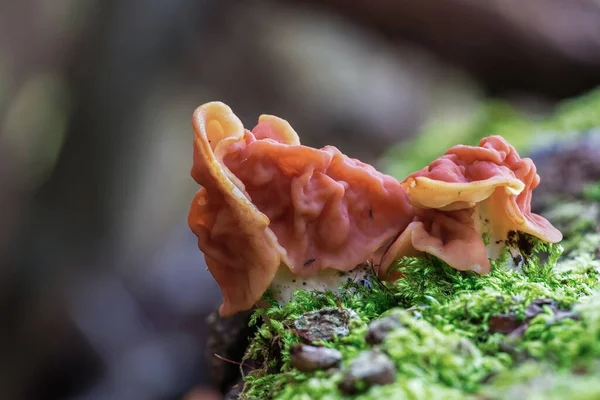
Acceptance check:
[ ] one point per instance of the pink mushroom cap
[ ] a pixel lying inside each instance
(465, 193)
(266, 201)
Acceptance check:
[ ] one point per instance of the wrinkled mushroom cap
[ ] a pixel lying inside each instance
(467, 175)
(241, 252)
(447, 235)
(468, 192)
(268, 201)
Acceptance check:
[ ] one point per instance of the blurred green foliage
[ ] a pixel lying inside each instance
(35, 126)
(493, 117)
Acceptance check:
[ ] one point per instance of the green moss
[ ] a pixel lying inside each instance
(576, 219)
(368, 301)
(445, 348)
(463, 303)
(592, 192)
(422, 351)
(535, 381)
(322, 387)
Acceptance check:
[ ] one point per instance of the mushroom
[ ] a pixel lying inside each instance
(268, 203)
(466, 204)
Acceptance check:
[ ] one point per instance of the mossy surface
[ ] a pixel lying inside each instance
(448, 346)
(445, 348)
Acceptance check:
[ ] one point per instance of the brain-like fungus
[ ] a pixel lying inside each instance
(267, 202)
(466, 204)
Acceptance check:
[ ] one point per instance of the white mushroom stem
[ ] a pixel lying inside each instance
(285, 283)
(495, 236)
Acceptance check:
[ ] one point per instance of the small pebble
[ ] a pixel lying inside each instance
(380, 328)
(323, 325)
(537, 307)
(504, 323)
(370, 367)
(310, 358)
(508, 323)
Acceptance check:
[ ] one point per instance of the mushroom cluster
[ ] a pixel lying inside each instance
(269, 205)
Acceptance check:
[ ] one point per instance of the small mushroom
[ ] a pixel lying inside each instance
(466, 204)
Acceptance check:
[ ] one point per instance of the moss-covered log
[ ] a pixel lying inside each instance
(531, 332)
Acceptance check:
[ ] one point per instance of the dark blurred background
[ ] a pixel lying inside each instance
(103, 292)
